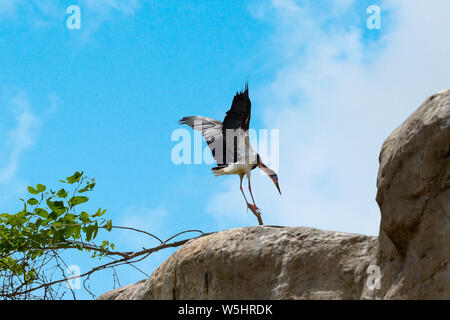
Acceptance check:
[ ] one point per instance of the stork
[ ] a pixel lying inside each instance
(230, 145)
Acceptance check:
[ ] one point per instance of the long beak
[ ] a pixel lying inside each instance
(276, 185)
(264, 168)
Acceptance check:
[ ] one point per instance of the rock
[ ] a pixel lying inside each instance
(119, 293)
(261, 263)
(409, 259)
(414, 199)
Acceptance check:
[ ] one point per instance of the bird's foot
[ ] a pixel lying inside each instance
(256, 211)
(254, 208)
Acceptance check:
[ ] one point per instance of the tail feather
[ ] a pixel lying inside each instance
(219, 167)
(219, 170)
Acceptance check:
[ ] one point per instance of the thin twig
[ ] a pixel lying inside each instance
(126, 259)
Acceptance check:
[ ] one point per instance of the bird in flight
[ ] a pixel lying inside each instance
(230, 145)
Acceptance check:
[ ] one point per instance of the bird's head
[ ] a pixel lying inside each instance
(272, 175)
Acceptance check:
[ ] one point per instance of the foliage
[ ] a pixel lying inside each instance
(49, 221)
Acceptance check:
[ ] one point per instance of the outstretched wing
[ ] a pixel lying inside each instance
(238, 117)
(211, 130)
(228, 141)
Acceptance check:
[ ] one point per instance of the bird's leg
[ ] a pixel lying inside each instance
(241, 176)
(253, 208)
(256, 211)
(250, 189)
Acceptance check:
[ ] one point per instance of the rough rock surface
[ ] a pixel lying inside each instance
(261, 262)
(414, 199)
(410, 256)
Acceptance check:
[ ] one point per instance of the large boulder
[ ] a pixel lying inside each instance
(261, 262)
(414, 199)
(409, 259)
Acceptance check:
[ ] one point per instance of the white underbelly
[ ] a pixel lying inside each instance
(235, 168)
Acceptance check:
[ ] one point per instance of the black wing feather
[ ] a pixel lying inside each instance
(238, 117)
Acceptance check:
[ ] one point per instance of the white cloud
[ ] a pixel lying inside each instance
(51, 7)
(335, 99)
(45, 13)
(15, 140)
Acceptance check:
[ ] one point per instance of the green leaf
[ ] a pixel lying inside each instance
(77, 200)
(70, 231)
(41, 213)
(32, 201)
(40, 187)
(52, 216)
(89, 231)
(58, 235)
(83, 190)
(88, 187)
(38, 222)
(32, 190)
(95, 230)
(62, 193)
(99, 213)
(69, 218)
(75, 177)
(57, 206)
(77, 233)
(108, 225)
(84, 216)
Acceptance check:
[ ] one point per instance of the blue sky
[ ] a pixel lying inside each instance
(105, 99)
